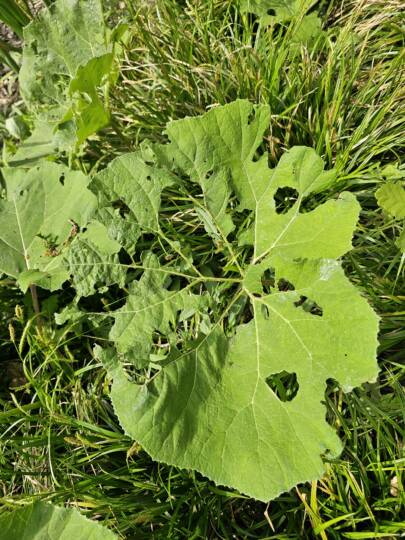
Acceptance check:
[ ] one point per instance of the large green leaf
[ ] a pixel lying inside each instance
(43, 206)
(42, 521)
(277, 306)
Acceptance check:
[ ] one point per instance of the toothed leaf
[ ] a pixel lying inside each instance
(279, 308)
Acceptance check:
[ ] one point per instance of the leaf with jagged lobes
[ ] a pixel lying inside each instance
(93, 262)
(214, 410)
(43, 208)
(43, 521)
(216, 404)
(151, 307)
(133, 187)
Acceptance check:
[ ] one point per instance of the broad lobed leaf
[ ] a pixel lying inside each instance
(210, 407)
(200, 337)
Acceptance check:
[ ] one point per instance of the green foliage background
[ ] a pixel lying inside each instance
(341, 92)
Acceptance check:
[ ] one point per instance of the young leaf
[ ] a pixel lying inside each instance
(274, 301)
(40, 521)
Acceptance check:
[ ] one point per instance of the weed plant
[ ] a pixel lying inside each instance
(341, 93)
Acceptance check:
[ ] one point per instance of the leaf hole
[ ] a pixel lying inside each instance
(283, 285)
(267, 281)
(62, 179)
(265, 311)
(251, 117)
(271, 12)
(122, 207)
(284, 385)
(123, 257)
(285, 198)
(209, 173)
(310, 306)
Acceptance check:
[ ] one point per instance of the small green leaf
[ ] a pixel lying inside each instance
(87, 108)
(42, 521)
(391, 198)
